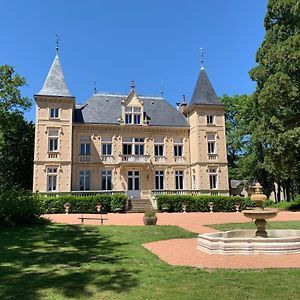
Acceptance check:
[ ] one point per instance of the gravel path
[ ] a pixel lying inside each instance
(183, 252)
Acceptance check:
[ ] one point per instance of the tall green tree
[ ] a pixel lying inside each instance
(276, 127)
(16, 134)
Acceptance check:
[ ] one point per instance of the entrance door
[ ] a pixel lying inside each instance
(134, 184)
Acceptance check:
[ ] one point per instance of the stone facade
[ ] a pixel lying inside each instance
(128, 143)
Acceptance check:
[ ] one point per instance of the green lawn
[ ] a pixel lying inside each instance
(109, 262)
(251, 225)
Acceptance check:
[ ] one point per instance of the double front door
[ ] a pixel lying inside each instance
(133, 184)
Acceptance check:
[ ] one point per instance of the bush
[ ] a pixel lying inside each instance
(118, 202)
(200, 203)
(83, 204)
(19, 207)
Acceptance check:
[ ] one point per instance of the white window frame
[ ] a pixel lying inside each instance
(85, 180)
(52, 173)
(106, 175)
(53, 140)
(106, 143)
(85, 145)
(133, 142)
(213, 178)
(133, 115)
(179, 184)
(54, 113)
(211, 143)
(210, 119)
(159, 179)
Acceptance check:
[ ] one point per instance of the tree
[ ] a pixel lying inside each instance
(16, 134)
(277, 97)
(244, 153)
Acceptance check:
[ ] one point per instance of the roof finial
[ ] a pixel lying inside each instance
(132, 85)
(95, 87)
(161, 89)
(202, 58)
(57, 41)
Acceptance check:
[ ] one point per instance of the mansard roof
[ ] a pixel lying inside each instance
(204, 92)
(55, 84)
(106, 109)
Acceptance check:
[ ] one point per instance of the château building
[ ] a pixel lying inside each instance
(129, 143)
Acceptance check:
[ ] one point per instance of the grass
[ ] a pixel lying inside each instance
(109, 262)
(251, 225)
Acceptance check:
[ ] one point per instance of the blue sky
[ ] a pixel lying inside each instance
(150, 41)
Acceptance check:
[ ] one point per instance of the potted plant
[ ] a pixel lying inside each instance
(150, 217)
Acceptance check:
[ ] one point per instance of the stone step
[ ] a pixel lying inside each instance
(139, 205)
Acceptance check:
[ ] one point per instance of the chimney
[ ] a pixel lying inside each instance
(177, 105)
(183, 104)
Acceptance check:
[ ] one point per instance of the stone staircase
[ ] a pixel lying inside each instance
(139, 205)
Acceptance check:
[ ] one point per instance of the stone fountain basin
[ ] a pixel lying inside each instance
(260, 214)
(245, 242)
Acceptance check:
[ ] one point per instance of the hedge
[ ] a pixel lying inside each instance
(19, 207)
(174, 203)
(84, 204)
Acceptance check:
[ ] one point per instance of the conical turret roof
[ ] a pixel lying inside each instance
(55, 84)
(204, 92)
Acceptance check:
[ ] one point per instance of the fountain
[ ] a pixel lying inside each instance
(259, 241)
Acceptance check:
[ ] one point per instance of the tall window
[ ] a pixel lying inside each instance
(51, 179)
(85, 180)
(54, 113)
(106, 180)
(85, 145)
(178, 148)
(210, 119)
(53, 140)
(106, 146)
(213, 178)
(133, 115)
(159, 180)
(133, 146)
(159, 148)
(179, 180)
(211, 143)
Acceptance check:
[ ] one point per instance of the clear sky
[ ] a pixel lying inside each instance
(150, 41)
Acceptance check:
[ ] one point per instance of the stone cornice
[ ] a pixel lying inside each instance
(129, 128)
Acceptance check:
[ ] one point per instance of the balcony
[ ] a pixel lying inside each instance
(179, 159)
(212, 156)
(135, 159)
(160, 159)
(52, 155)
(107, 159)
(85, 158)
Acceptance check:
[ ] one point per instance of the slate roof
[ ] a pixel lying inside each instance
(106, 109)
(55, 84)
(204, 92)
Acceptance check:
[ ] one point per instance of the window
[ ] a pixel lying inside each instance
(53, 140)
(138, 146)
(159, 147)
(85, 180)
(135, 144)
(178, 147)
(210, 119)
(159, 180)
(54, 113)
(179, 180)
(85, 145)
(106, 146)
(51, 179)
(213, 178)
(133, 115)
(106, 180)
(211, 143)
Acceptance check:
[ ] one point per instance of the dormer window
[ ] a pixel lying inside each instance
(54, 113)
(133, 115)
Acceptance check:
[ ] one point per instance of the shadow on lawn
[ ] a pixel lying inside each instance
(75, 261)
